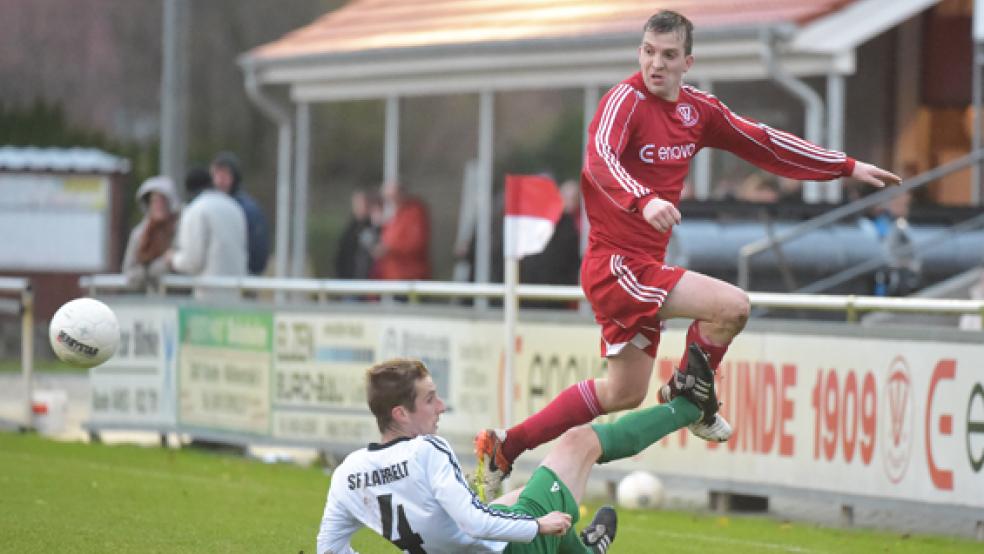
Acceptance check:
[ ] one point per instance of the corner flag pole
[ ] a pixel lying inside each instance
(533, 207)
(510, 307)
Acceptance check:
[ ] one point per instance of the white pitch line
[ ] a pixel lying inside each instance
(757, 544)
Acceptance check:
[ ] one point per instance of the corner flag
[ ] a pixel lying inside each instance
(533, 207)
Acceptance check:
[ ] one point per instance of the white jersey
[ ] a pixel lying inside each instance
(412, 492)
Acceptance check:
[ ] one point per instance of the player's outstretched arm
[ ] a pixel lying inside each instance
(874, 175)
(554, 523)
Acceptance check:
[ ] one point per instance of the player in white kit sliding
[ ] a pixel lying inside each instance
(410, 489)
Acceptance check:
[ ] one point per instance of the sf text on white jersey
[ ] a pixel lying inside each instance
(412, 492)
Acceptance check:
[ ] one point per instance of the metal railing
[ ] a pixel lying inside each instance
(322, 289)
(24, 305)
(909, 250)
(747, 252)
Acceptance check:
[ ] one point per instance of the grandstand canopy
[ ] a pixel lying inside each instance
(378, 48)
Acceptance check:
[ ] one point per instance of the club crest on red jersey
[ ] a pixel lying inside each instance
(688, 114)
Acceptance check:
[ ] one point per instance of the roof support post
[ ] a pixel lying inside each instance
(281, 117)
(811, 101)
(591, 99)
(976, 183)
(835, 129)
(174, 91)
(702, 162)
(483, 237)
(302, 184)
(391, 148)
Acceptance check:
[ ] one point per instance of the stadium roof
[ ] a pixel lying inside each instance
(376, 48)
(61, 160)
(364, 25)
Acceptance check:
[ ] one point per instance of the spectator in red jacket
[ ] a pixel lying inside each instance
(403, 252)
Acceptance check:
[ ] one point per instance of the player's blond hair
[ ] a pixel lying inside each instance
(390, 384)
(669, 21)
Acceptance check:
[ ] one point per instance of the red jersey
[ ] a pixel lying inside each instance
(640, 146)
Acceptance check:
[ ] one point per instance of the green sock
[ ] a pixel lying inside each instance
(636, 430)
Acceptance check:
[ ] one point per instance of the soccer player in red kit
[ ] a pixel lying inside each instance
(640, 143)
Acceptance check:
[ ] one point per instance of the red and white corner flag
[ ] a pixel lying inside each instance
(533, 207)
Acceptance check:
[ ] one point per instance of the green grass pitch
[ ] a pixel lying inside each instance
(96, 498)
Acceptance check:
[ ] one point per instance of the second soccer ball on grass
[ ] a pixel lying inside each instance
(640, 490)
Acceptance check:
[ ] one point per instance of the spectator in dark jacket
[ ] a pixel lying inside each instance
(227, 177)
(354, 257)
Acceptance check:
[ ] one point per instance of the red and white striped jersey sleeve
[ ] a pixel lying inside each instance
(608, 135)
(771, 149)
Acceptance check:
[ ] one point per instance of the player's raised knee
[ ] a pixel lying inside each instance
(627, 398)
(735, 310)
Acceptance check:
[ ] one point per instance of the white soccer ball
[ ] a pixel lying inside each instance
(640, 490)
(84, 333)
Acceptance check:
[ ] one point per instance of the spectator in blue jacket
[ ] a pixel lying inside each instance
(227, 177)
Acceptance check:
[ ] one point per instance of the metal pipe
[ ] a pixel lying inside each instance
(510, 309)
(976, 185)
(591, 99)
(761, 245)
(174, 91)
(702, 162)
(25, 309)
(846, 275)
(391, 146)
(302, 166)
(835, 129)
(452, 289)
(281, 117)
(483, 237)
(27, 352)
(812, 102)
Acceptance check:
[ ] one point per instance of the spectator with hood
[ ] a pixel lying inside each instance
(144, 261)
(227, 176)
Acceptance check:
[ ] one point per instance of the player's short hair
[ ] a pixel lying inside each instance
(390, 384)
(669, 21)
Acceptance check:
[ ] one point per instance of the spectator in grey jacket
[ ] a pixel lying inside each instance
(212, 234)
(144, 261)
(227, 176)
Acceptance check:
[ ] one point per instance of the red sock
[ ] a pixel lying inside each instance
(714, 351)
(576, 405)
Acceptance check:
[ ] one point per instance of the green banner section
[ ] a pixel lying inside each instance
(224, 368)
(243, 330)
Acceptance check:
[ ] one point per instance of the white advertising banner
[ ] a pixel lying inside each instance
(878, 417)
(318, 388)
(884, 418)
(136, 386)
(319, 377)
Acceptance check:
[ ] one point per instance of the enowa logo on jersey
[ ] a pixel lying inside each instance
(649, 153)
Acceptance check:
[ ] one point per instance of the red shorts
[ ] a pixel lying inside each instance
(627, 294)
